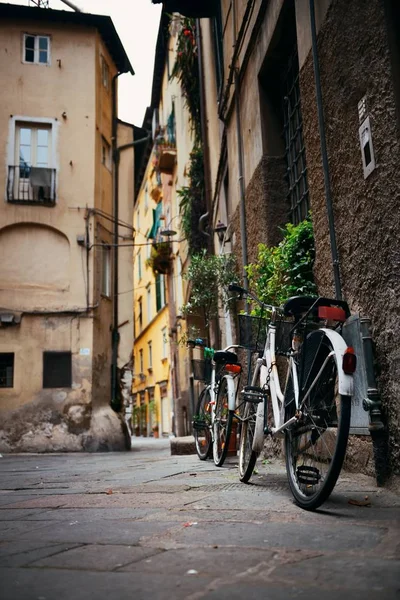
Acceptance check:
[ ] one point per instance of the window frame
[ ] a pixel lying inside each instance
(149, 298)
(53, 353)
(150, 351)
(6, 376)
(105, 283)
(164, 354)
(106, 155)
(105, 73)
(18, 122)
(36, 49)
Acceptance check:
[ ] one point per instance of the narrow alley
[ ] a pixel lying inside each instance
(148, 524)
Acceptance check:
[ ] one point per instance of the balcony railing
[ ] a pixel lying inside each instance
(31, 185)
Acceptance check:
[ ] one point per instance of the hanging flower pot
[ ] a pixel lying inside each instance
(160, 258)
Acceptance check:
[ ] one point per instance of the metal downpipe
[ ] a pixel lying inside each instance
(324, 154)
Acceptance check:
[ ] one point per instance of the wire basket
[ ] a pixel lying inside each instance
(283, 336)
(252, 332)
(201, 370)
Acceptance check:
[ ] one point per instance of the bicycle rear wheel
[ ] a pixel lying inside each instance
(223, 420)
(316, 444)
(201, 425)
(247, 457)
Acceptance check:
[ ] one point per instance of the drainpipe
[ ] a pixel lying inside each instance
(114, 331)
(324, 153)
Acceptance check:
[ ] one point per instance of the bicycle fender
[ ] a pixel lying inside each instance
(258, 440)
(231, 392)
(346, 383)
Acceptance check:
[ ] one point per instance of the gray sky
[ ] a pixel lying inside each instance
(136, 22)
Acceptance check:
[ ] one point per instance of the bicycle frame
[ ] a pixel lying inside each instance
(213, 388)
(267, 373)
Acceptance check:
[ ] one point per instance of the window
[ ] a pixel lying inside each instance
(106, 271)
(164, 342)
(150, 355)
(141, 361)
(294, 144)
(140, 316)
(138, 219)
(36, 49)
(139, 263)
(6, 369)
(146, 199)
(179, 285)
(30, 178)
(160, 292)
(149, 303)
(105, 154)
(57, 369)
(105, 73)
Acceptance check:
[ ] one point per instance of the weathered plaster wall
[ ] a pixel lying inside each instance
(355, 62)
(43, 267)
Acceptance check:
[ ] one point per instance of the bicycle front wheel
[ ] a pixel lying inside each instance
(247, 456)
(223, 420)
(201, 425)
(316, 444)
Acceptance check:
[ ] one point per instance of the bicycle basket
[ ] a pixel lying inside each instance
(252, 332)
(283, 337)
(201, 370)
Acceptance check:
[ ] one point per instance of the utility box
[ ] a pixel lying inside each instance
(359, 417)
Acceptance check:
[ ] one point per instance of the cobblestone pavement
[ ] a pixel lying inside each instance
(145, 524)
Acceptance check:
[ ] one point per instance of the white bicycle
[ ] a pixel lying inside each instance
(215, 414)
(313, 411)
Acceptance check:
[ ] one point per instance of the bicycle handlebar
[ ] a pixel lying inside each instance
(234, 287)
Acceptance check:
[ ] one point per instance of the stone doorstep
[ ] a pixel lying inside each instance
(183, 445)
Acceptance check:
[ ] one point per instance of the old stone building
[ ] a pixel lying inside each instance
(66, 331)
(294, 126)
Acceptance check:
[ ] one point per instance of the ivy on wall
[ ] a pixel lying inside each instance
(186, 71)
(287, 269)
(192, 204)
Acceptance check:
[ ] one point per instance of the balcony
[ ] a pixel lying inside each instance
(31, 185)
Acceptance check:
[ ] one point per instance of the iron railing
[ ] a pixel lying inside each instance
(31, 185)
(298, 196)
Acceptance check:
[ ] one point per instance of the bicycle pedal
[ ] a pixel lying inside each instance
(308, 475)
(253, 394)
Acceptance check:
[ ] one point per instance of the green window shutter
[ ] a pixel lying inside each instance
(158, 292)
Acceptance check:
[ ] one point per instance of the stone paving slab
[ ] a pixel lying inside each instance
(26, 556)
(98, 557)
(272, 535)
(62, 584)
(122, 525)
(106, 531)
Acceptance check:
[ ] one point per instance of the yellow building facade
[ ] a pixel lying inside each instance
(161, 290)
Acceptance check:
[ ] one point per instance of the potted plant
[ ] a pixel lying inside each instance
(160, 258)
(154, 417)
(136, 420)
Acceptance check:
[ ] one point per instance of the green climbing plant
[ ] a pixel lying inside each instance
(191, 203)
(285, 270)
(209, 277)
(186, 71)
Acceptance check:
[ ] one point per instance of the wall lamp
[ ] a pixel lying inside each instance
(220, 230)
(168, 231)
